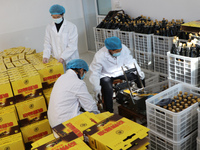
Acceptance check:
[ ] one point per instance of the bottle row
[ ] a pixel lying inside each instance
(143, 24)
(179, 102)
(189, 48)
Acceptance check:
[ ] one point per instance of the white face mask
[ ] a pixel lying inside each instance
(58, 20)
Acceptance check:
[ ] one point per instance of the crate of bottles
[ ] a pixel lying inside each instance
(162, 44)
(99, 34)
(173, 125)
(160, 64)
(143, 42)
(110, 33)
(184, 69)
(158, 142)
(126, 38)
(144, 60)
(150, 77)
(99, 45)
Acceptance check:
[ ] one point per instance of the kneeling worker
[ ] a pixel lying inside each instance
(69, 94)
(106, 67)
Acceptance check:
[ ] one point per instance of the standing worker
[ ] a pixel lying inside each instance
(106, 67)
(69, 94)
(61, 38)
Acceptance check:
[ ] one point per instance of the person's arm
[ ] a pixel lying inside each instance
(130, 62)
(47, 46)
(85, 99)
(72, 44)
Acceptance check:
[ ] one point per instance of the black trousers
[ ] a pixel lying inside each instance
(107, 88)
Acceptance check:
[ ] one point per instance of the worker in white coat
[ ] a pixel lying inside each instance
(61, 38)
(106, 67)
(69, 94)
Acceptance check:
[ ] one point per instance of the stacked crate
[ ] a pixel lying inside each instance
(99, 36)
(143, 50)
(172, 130)
(183, 69)
(161, 45)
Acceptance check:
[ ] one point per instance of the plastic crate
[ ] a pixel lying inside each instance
(198, 143)
(99, 34)
(160, 64)
(163, 77)
(158, 142)
(144, 60)
(174, 126)
(198, 123)
(99, 45)
(184, 69)
(150, 77)
(162, 44)
(143, 42)
(172, 82)
(126, 38)
(157, 87)
(110, 33)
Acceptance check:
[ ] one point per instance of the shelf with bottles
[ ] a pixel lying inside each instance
(184, 69)
(144, 60)
(160, 64)
(173, 125)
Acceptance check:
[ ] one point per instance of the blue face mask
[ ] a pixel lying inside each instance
(58, 20)
(83, 76)
(116, 54)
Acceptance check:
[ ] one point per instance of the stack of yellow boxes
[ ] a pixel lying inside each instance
(102, 131)
(21, 85)
(49, 72)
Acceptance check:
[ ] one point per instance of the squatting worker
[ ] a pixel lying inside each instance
(106, 67)
(69, 94)
(61, 38)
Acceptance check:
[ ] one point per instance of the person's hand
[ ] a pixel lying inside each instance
(61, 60)
(45, 60)
(98, 96)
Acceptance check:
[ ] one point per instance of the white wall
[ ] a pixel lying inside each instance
(158, 9)
(23, 22)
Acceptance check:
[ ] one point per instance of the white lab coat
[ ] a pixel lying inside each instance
(104, 64)
(62, 44)
(68, 95)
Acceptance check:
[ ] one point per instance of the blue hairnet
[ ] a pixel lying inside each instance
(113, 43)
(57, 10)
(77, 63)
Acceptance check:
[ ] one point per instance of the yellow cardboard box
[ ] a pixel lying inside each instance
(6, 94)
(12, 142)
(6, 60)
(47, 94)
(36, 131)
(31, 110)
(68, 142)
(14, 58)
(122, 131)
(17, 63)
(26, 86)
(77, 124)
(8, 121)
(23, 61)
(21, 56)
(9, 65)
